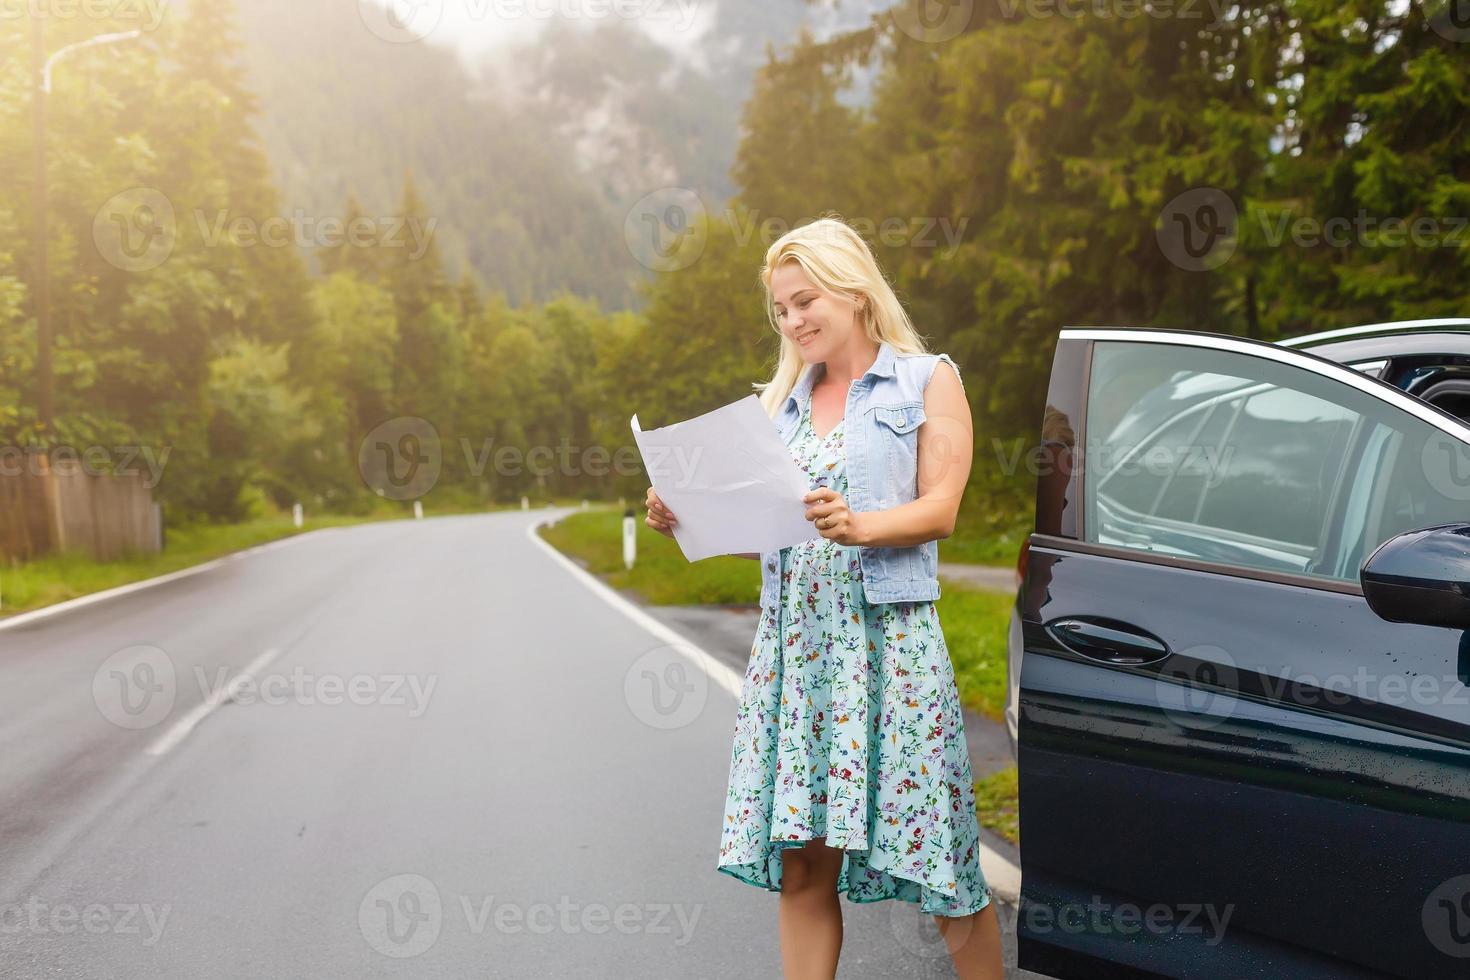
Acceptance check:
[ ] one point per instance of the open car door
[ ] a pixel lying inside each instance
(1230, 764)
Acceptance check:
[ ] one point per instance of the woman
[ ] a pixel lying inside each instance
(849, 770)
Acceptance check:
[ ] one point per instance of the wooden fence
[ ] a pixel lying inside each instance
(45, 510)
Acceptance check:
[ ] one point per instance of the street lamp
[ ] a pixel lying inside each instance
(41, 89)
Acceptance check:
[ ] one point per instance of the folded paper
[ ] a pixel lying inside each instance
(729, 480)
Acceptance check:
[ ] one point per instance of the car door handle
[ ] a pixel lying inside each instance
(1108, 640)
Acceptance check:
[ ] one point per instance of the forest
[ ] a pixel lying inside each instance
(1015, 174)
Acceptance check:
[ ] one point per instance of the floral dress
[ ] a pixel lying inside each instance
(849, 728)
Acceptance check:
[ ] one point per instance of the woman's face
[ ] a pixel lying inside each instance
(818, 322)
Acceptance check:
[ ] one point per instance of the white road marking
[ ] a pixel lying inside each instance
(717, 670)
(80, 602)
(1003, 877)
(181, 728)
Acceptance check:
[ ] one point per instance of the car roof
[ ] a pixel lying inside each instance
(1450, 335)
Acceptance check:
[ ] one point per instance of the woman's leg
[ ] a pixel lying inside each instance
(811, 912)
(974, 944)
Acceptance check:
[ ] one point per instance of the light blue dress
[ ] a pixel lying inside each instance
(849, 728)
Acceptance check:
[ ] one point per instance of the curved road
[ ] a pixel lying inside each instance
(409, 749)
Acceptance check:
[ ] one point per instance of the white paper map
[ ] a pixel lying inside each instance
(729, 480)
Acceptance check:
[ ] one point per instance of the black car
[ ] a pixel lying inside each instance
(1242, 720)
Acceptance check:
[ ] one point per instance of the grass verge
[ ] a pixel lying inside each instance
(57, 578)
(996, 804)
(974, 620)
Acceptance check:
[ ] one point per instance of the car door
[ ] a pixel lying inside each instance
(1230, 766)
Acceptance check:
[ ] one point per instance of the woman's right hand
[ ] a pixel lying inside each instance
(660, 518)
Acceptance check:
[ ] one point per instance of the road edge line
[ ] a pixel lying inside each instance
(718, 671)
(1001, 876)
(80, 602)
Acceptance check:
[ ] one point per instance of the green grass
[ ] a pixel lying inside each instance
(974, 623)
(986, 534)
(974, 620)
(996, 804)
(660, 575)
(56, 578)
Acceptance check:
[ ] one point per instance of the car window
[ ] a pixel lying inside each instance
(1240, 460)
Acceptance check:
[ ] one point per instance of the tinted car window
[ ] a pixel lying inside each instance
(1244, 461)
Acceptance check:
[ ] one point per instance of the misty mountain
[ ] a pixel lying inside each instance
(530, 158)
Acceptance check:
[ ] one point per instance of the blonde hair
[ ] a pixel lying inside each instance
(837, 260)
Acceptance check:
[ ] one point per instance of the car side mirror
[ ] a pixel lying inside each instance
(1421, 577)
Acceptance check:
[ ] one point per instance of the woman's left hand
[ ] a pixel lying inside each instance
(830, 515)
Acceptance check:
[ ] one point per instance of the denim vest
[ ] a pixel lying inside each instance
(885, 408)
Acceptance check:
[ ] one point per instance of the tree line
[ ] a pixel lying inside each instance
(1261, 170)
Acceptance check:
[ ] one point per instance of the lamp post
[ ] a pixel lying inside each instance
(41, 90)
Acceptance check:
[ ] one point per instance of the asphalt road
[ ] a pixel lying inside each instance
(412, 749)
